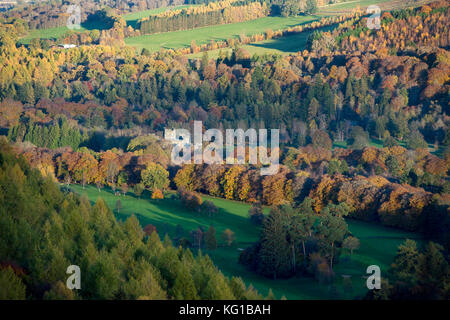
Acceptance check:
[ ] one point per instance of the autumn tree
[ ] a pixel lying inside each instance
(332, 230)
(210, 239)
(138, 189)
(228, 236)
(155, 177)
(351, 243)
(256, 213)
(118, 205)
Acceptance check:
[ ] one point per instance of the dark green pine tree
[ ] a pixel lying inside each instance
(210, 239)
(404, 267)
(184, 286)
(54, 136)
(348, 88)
(275, 253)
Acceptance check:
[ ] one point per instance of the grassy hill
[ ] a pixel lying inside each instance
(378, 244)
(182, 39)
(282, 46)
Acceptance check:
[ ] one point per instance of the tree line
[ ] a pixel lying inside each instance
(222, 12)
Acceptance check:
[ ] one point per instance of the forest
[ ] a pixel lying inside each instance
(363, 117)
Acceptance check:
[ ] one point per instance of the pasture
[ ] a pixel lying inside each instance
(281, 46)
(50, 33)
(183, 39)
(378, 243)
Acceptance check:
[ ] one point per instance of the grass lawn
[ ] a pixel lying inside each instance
(377, 143)
(182, 39)
(282, 46)
(378, 244)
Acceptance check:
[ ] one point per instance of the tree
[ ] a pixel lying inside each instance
(394, 166)
(332, 230)
(275, 254)
(228, 236)
(311, 7)
(149, 229)
(351, 243)
(389, 142)
(290, 8)
(303, 222)
(321, 139)
(112, 172)
(415, 140)
(124, 188)
(157, 194)
(11, 286)
(190, 199)
(186, 178)
(256, 213)
(184, 286)
(210, 239)
(433, 272)
(197, 237)
(118, 205)
(155, 177)
(359, 139)
(138, 189)
(59, 291)
(334, 166)
(209, 208)
(404, 267)
(230, 181)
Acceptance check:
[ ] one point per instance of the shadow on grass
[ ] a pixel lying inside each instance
(132, 23)
(292, 42)
(166, 214)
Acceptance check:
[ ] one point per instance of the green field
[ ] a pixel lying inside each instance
(132, 18)
(182, 39)
(282, 46)
(378, 244)
(377, 143)
(51, 33)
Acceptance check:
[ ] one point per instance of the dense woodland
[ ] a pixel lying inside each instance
(95, 114)
(300, 93)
